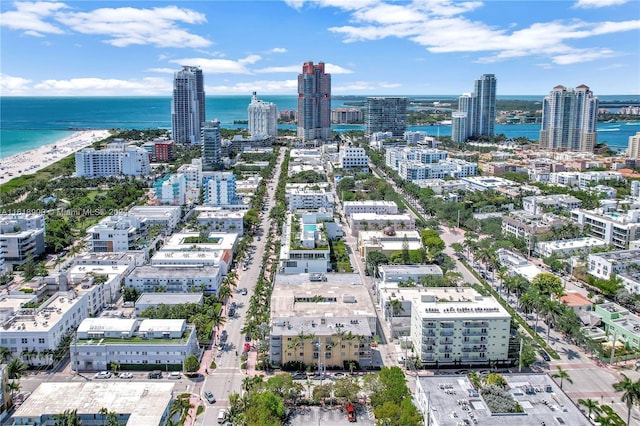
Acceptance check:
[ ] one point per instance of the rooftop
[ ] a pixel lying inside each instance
(454, 401)
(144, 402)
(174, 271)
(169, 298)
(620, 255)
(45, 317)
(217, 240)
(572, 298)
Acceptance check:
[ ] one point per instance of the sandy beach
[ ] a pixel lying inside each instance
(31, 161)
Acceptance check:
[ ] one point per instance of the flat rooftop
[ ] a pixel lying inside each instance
(144, 402)
(346, 297)
(46, 316)
(575, 243)
(376, 216)
(169, 298)
(620, 256)
(155, 211)
(174, 271)
(449, 394)
(217, 240)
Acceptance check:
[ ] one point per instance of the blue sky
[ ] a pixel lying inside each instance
(370, 47)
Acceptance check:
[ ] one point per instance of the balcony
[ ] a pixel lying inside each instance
(482, 332)
(447, 333)
(476, 324)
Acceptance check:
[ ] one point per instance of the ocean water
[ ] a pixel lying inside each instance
(29, 122)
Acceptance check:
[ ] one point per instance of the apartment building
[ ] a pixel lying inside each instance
(222, 221)
(619, 324)
(617, 229)
(404, 273)
(354, 160)
(175, 279)
(161, 343)
(117, 160)
(346, 115)
(525, 225)
(369, 206)
(451, 326)
(113, 233)
(171, 189)
(263, 118)
(21, 237)
(387, 241)
(165, 216)
(304, 247)
(153, 300)
(604, 265)
(451, 168)
(309, 197)
(33, 334)
(322, 325)
(539, 204)
(370, 221)
(219, 188)
(572, 247)
(396, 156)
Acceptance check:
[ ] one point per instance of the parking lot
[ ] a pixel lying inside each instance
(304, 416)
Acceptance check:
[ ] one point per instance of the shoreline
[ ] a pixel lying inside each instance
(29, 162)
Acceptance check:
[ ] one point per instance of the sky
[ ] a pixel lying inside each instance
(370, 47)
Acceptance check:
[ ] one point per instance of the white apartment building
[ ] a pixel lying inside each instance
(633, 150)
(441, 186)
(459, 325)
(171, 189)
(527, 226)
(404, 273)
(571, 247)
(162, 343)
(165, 216)
(113, 233)
(603, 265)
(370, 221)
(387, 241)
(303, 247)
(175, 279)
(117, 160)
(369, 206)
(309, 197)
(518, 264)
(153, 300)
(564, 178)
(354, 160)
(263, 118)
(414, 170)
(587, 179)
(486, 183)
(21, 237)
(32, 334)
(82, 278)
(394, 157)
(193, 172)
(614, 228)
(222, 220)
(219, 188)
(539, 204)
(414, 138)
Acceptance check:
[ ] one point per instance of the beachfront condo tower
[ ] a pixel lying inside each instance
(314, 102)
(569, 119)
(385, 114)
(478, 111)
(263, 118)
(634, 146)
(211, 146)
(188, 105)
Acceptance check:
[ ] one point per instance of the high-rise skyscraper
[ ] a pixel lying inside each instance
(188, 105)
(480, 109)
(569, 119)
(385, 114)
(211, 146)
(314, 102)
(634, 146)
(263, 118)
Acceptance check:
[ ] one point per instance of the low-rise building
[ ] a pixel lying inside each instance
(326, 324)
(614, 228)
(141, 403)
(518, 264)
(367, 221)
(142, 342)
(21, 237)
(175, 279)
(369, 206)
(404, 273)
(171, 189)
(539, 204)
(149, 300)
(309, 197)
(458, 326)
(354, 160)
(33, 334)
(113, 233)
(304, 247)
(441, 186)
(118, 159)
(577, 302)
(568, 247)
(453, 401)
(485, 183)
(387, 241)
(451, 168)
(604, 265)
(619, 325)
(165, 216)
(527, 226)
(222, 220)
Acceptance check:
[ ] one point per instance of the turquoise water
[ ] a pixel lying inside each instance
(310, 228)
(30, 122)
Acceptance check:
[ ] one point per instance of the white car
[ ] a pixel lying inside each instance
(175, 375)
(126, 375)
(103, 375)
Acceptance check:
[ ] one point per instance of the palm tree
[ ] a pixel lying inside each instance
(591, 405)
(16, 368)
(5, 353)
(562, 375)
(552, 311)
(631, 395)
(531, 302)
(503, 273)
(13, 386)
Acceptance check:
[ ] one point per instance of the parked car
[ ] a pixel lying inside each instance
(102, 375)
(155, 374)
(209, 397)
(175, 375)
(126, 375)
(545, 356)
(243, 291)
(223, 336)
(232, 312)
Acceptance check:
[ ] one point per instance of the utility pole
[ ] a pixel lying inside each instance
(520, 356)
(613, 346)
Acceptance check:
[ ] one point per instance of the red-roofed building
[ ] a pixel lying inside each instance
(576, 301)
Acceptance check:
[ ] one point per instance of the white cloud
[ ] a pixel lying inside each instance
(30, 17)
(363, 86)
(592, 4)
(333, 69)
(12, 86)
(251, 59)
(219, 66)
(439, 26)
(162, 70)
(262, 86)
(106, 87)
(122, 26)
(287, 68)
(278, 50)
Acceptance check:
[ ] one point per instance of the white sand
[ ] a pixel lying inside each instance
(31, 161)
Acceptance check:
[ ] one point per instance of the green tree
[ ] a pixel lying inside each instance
(16, 368)
(346, 388)
(591, 405)
(191, 364)
(264, 409)
(631, 393)
(548, 284)
(562, 375)
(390, 385)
